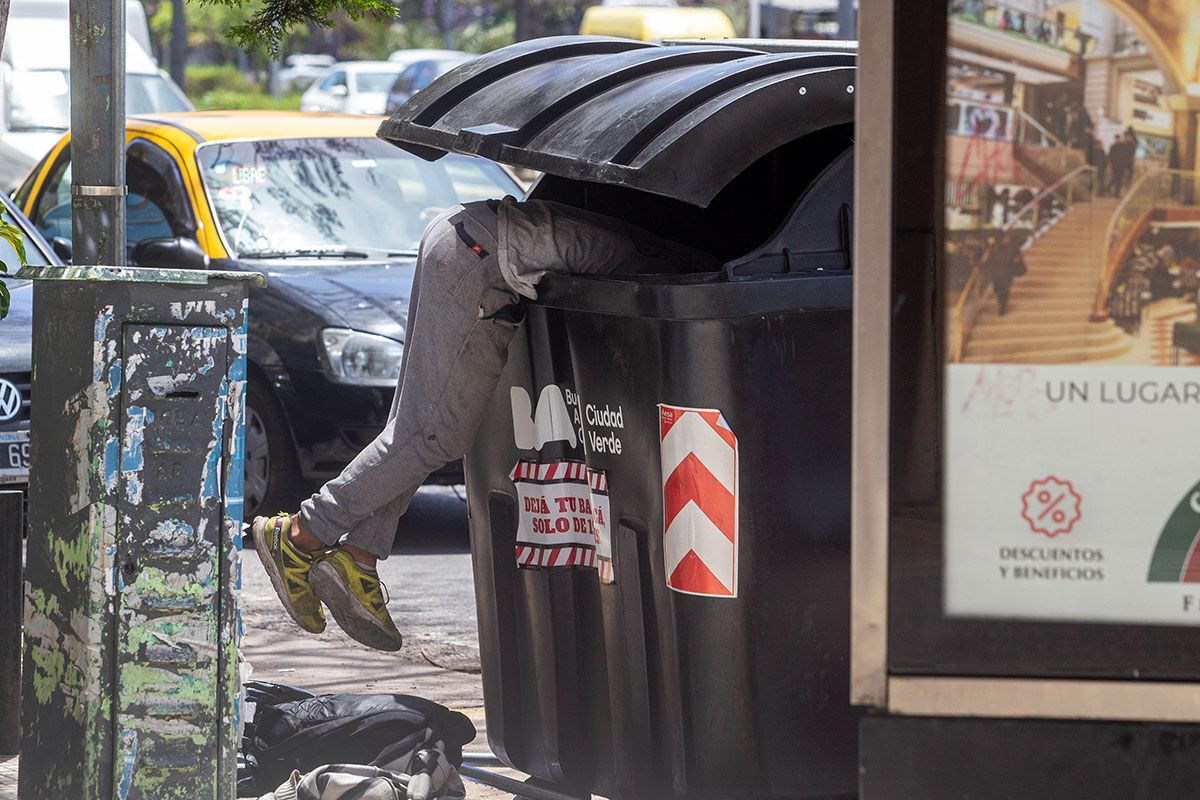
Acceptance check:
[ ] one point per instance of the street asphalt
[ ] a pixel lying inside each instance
(433, 602)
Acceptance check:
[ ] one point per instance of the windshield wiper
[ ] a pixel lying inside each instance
(330, 252)
(308, 252)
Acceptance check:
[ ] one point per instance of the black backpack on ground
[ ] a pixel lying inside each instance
(291, 729)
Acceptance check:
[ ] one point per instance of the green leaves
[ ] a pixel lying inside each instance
(275, 19)
(11, 234)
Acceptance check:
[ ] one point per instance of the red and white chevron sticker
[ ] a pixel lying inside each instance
(700, 500)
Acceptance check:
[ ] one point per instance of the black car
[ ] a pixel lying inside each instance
(332, 216)
(15, 359)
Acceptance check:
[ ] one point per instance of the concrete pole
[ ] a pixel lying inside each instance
(754, 20)
(847, 18)
(98, 132)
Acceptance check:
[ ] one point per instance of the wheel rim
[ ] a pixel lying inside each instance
(257, 463)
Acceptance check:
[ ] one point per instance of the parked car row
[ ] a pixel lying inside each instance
(331, 215)
(377, 87)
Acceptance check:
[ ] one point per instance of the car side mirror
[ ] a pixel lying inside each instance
(339, 91)
(178, 251)
(61, 246)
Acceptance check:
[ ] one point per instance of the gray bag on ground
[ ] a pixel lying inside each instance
(437, 779)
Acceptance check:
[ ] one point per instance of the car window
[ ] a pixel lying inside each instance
(425, 75)
(52, 212)
(151, 94)
(373, 81)
(403, 83)
(40, 100)
(156, 206)
(336, 79)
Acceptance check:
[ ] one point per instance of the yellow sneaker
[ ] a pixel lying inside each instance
(288, 569)
(356, 599)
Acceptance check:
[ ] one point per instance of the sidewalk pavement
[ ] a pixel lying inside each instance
(8, 778)
(439, 661)
(432, 600)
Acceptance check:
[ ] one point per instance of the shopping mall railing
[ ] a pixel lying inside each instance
(1155, 189)
(1013, 19)
(1038, 215)
(1030, 131)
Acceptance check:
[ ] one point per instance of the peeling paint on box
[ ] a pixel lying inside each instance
(145, 545)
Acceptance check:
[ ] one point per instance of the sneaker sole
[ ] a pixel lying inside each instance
(347, 612)
(262, 546)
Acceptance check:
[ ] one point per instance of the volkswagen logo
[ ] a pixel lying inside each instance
(10, 401)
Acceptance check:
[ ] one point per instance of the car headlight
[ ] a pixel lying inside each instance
(362, 358)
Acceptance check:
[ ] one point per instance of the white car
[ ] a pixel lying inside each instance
(300, 70)
(35, 81)
(406, 57)
(352, 87)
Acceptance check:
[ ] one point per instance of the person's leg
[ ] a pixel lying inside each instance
(455, 350)
(371, 539)
(1002, 289)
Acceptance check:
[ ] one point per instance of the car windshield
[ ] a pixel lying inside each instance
(375, 81)
(331, 197)
(40, 99)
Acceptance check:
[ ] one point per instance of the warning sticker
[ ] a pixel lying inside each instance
(563, 516)
(700, 500)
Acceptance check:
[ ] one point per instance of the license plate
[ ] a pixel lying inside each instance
(14, 456)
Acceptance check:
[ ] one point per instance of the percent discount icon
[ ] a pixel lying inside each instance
(1051, 506)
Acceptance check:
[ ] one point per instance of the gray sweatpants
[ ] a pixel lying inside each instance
(475, 260)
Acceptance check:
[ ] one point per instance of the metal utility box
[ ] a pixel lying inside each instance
(660, 499)
(131, 623)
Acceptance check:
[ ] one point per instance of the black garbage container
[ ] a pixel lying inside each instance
(659, 498)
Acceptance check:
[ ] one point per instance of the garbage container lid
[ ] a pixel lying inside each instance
(675, 121)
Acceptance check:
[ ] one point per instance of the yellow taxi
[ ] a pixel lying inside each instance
(332, 216)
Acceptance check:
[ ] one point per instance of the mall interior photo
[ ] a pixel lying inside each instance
(1073, 210)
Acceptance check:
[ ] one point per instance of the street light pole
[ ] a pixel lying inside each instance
(447, 14)
(847, 18)
(98, 132)
(754, 21)
(178, 48)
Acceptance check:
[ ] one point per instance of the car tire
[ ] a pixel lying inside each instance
(273, 481)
